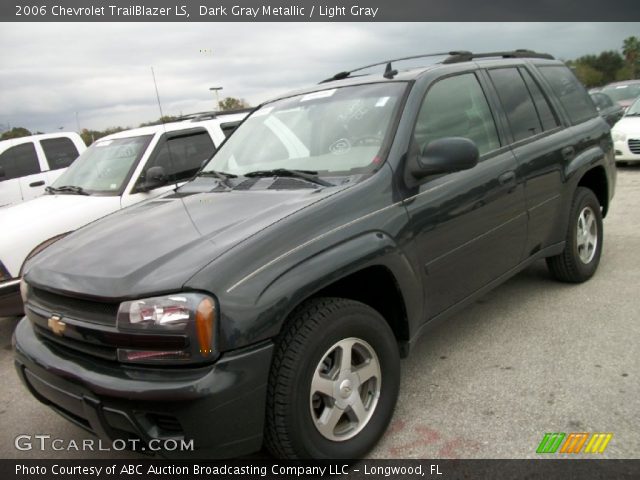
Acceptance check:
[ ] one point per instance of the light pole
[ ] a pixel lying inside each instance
(217, 92)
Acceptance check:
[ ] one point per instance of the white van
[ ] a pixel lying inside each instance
(116, 171)
(29, 164)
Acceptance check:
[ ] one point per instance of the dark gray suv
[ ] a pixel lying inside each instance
(269, 300)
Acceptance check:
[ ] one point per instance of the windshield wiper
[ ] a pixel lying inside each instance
(222, 176)
(308, 175)
(634, 114)
(67, 189)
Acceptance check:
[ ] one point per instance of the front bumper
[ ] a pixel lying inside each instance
(220, 406)
(10, 301)
(623, 152)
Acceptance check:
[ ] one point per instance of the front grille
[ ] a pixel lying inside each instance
(50, 338)
(634, 145)
(80, 309)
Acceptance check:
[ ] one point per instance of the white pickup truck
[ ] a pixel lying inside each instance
(29, 164)
(114, 172)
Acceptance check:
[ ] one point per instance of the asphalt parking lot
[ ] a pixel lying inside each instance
(531, 357)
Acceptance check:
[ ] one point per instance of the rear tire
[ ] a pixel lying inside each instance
(334, 381)
(581, 255)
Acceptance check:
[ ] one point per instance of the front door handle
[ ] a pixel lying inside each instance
(39, 183)
(568, 153)
(507, 178)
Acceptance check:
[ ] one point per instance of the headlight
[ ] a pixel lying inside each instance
(183, 314)
(618, 136)
(24, 290)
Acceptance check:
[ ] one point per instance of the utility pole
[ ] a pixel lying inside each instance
(217, 92)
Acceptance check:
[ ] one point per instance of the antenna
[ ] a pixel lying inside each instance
(155, 84)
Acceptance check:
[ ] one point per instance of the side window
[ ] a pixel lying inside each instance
(517, 103)
(229, 127)
(182, 156)
(545, 113)
(605, 100)
(60, 152)
(457, 107)
(19, 161)
(570, 92)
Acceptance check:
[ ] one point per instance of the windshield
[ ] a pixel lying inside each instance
(634, 109)
(105, 166)
(620, 93)
(332, 132)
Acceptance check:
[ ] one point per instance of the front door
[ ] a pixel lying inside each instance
(468, 227)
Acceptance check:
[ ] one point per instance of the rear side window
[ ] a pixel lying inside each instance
(182, 156)
(60, 152)
(545, 113)
(570, 92)
(19, 161)
(516, 102)
(457, 107)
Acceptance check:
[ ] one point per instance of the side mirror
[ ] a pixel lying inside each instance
(2, 174)
(154, 177)
(445, 155)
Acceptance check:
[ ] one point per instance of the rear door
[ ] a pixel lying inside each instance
(23, 178)
(469, 227)
(541, 146)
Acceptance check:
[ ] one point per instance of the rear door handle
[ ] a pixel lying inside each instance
(568, 153)
(39, 183)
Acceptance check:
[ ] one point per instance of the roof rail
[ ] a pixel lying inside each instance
(457, 57)
(388, 70)
(453, 57)
(200, 116)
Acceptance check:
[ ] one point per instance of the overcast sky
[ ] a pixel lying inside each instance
(102, 71)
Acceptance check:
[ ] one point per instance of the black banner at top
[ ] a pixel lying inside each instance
(318, 10)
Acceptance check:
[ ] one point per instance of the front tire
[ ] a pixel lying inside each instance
(333, 383)
(581, 255)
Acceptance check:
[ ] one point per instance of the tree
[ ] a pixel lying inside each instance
(589, 76)
(231, 103)
(15, 132)
(598, 69)
(631, 51)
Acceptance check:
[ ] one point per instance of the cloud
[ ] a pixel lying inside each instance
(102, 71)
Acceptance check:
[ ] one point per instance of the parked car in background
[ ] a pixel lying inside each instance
(624, 93)
(114, 172)
(626, 135)
(268, 301)
(29, 164)
(608, 109)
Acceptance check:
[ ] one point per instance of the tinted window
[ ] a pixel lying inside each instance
(60, 152)
(545, 113)
(516, 102)
(456, 107)
(229, 127)
(19, 161)
(182, 156)
(570, 92)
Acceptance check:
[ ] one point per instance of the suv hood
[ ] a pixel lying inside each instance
(158, 245)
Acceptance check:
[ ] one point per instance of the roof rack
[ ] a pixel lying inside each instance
(463, 56)
(452, 57)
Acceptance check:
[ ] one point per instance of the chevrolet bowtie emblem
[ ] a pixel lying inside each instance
(56, 324)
